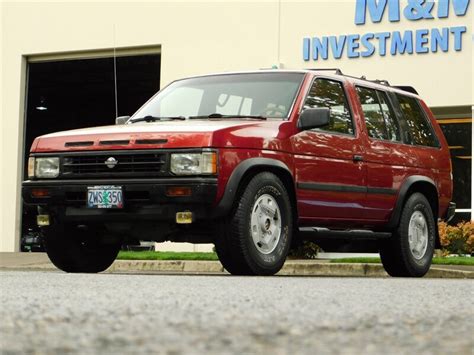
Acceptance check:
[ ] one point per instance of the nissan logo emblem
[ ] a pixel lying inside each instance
(111, 162)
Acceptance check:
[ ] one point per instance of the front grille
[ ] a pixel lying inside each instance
(114, 165)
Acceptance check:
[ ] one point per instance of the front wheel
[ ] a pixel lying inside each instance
(80, 248)
(256, 237)
(410, 250)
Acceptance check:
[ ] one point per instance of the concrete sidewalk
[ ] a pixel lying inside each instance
(40, 261)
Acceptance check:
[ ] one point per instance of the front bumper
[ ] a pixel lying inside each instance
(450, 211)
(144, 199)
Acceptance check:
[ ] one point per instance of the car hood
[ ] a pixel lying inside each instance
(167, 134)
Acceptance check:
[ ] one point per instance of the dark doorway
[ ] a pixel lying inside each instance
(69, 94)
(458, 133)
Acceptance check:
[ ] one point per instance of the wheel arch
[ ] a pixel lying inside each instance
(423, 185)
(245, 171)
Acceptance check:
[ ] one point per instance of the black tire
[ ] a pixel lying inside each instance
(234, 243)
(84, 249)
(397, 257)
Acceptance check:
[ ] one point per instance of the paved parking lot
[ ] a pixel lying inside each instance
(57, 313)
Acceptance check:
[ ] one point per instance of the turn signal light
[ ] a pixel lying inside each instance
(176, 191)
(39, 193)
(42, 220)
(210, 159)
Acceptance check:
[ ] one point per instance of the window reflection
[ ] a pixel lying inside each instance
(330, 94)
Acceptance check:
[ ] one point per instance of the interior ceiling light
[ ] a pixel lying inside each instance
(41, 106)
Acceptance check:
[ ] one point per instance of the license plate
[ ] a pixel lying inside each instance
(104, 197)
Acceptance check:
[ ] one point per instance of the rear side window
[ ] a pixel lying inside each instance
(392, 126)
(330, 94)
(420, 129)
(379, 118)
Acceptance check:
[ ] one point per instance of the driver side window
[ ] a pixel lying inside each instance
(330, 94)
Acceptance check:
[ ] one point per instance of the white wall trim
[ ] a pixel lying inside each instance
(93, 53)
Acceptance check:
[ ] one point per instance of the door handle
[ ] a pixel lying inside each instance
(356, 158)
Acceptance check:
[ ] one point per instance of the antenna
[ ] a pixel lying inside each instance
(115, 76)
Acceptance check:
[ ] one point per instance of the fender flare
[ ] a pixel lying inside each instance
(397, 211)
(232, 186)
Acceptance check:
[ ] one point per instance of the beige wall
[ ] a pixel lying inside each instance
(200, 37)
(442, 79)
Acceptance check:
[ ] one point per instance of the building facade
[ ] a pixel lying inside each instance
(47, 48)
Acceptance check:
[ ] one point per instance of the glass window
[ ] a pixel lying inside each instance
(259, 94)
(390, 121)
(373, 114)
(420, 130)
(172, 103)
(230, 104)
(330, 94)
(379, 117)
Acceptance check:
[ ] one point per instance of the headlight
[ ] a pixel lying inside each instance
(194, 163)
(45, 167)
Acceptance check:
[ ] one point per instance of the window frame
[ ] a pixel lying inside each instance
(378, 92)
(425, 116)
(347, 102)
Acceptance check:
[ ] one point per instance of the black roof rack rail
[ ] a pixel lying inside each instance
(407, 89)
(377, 81)
(383, 81)
(338, 71)
(363, 77)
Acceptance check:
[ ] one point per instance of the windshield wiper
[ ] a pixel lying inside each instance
(150, 118)
(220, 115)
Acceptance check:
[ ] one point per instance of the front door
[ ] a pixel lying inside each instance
(330, 172)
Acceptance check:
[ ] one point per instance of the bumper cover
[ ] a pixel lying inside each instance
(143, 198)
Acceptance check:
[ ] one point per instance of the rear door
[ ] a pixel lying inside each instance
(386, 157)
(330, 173)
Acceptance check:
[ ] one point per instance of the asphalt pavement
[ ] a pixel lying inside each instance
(57, 313)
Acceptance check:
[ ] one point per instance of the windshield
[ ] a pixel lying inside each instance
(257, 94)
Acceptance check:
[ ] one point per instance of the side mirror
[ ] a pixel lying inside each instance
(121, 120)
(313, 118)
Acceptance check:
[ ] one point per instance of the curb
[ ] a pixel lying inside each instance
(291, 268)
(181, 266)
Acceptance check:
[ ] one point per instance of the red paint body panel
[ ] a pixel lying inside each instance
(312, 157)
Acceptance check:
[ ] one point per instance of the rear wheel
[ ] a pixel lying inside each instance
(80, 248)
(256, 237)
(410, 250)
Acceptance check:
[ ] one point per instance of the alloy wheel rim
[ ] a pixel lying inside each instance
(265, 224)
(418, 235)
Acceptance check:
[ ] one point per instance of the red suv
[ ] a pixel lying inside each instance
(255, 163)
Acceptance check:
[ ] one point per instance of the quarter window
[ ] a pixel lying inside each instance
(330, 94)
(420, 130)
(379, 117)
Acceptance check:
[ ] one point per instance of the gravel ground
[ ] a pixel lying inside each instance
(57, 313)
